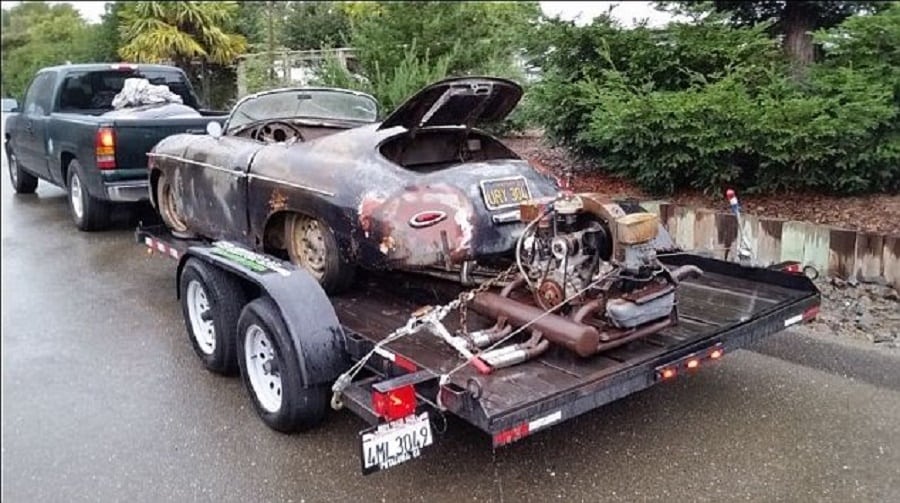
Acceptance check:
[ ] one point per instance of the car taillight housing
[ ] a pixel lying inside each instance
(105, 148)
(396, 403)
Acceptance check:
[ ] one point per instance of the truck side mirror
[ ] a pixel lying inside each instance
(214, 129)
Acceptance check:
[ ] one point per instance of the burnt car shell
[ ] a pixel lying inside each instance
(370, 201)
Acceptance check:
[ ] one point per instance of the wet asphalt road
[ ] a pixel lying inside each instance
(103, 400)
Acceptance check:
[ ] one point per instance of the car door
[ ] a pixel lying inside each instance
(214, 185)
(30, 141)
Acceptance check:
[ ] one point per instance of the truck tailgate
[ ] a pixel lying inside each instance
(135, 137)
(729, 305)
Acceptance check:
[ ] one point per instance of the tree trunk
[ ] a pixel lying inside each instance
(797, 23)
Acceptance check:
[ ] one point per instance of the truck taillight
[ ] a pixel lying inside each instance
(105, 147)
(396, 403)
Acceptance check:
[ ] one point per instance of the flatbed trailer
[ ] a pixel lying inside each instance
(727, 308)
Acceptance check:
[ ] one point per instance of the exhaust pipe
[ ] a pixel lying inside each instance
(580, 339)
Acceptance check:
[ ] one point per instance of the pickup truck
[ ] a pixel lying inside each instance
(68, 134)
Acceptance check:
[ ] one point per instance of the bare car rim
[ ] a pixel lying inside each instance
(200, 317)
(76, 195)
(262, 368)
(308, 240)
(13, 169)
(168, 207)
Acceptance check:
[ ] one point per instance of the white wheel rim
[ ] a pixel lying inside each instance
(13, 170)
(198, 308)
(76, 196)
(262, 368)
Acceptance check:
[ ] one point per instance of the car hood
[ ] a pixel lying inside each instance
(462, 101)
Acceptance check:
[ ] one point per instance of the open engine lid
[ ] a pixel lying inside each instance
(459, 101)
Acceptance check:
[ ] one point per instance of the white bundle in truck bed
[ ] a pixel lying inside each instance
(139, 92)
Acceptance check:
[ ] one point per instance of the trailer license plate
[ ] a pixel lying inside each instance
(505, 192)
(387, 445)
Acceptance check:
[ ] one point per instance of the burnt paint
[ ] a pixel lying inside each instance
(343, 180)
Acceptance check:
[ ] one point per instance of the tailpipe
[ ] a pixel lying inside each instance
(578, 338)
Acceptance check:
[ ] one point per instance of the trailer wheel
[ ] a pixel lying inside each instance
(211, 302)
(270, 370)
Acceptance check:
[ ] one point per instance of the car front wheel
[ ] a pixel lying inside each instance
(22, 182)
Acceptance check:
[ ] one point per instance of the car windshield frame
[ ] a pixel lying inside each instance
(312, 104)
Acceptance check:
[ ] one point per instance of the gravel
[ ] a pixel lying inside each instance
(865, 312)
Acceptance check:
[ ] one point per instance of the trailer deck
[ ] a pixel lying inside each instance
(729, 307)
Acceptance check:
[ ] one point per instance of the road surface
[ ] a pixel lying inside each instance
(104, 400)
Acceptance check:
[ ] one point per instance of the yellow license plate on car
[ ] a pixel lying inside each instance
(505, 192)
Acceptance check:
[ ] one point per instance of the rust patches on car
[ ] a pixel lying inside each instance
(278, 201)
(445, 242)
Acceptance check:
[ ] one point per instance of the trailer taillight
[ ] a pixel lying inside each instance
(715, 354)
(105, 148)
(396, 403)
(692, 363)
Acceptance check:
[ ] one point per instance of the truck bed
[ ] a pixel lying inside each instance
(729, 305)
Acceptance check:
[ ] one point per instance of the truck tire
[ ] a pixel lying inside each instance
(312, 246)
(22, 182)
(88, 212)
(211, 302)
(270, 370)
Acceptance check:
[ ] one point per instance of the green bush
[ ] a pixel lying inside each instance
(705, 106)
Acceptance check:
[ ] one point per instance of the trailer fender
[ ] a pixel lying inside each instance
(307, 312)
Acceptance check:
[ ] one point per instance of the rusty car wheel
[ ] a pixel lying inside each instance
(168, 206)
(311, 245)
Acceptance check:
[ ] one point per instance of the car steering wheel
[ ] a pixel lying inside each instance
(277, 132)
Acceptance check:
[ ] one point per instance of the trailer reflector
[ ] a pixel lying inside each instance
(521, 431)
(717, 353)
(693, 363)
(396, 403)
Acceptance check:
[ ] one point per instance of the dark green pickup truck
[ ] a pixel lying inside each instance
(67, 133)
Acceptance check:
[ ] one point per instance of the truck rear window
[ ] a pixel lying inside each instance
(93, 92)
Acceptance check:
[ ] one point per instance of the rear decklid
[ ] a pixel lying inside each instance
(462, 101)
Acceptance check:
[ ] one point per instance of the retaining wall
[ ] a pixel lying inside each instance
(843, 253)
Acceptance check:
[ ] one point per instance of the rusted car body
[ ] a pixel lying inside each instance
(422, 190)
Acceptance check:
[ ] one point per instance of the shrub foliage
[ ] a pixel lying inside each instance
(708, 105)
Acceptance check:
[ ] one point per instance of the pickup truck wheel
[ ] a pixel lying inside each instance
(270, 370)
(22, 182)
(168, 207)
(211, 303)
(88, 212)
(311, 245)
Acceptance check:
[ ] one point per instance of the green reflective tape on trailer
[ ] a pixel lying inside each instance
(251, 260)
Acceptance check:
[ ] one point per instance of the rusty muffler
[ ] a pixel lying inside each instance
(581, 339)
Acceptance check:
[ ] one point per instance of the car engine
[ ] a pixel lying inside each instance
(589, 279)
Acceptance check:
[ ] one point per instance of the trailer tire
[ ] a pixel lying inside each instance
(211, 302)
(265, 349)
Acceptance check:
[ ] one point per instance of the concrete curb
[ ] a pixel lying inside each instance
(836, 252)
